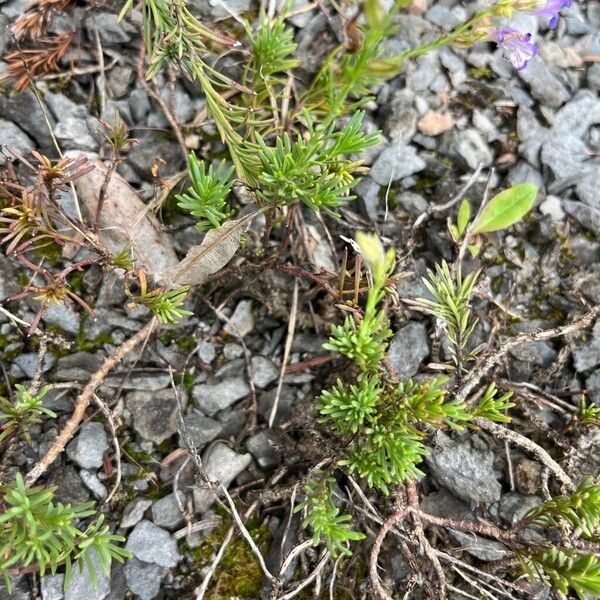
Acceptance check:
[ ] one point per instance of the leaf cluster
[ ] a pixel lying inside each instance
(23, 413)
(324, 518)
(166, 305)
(206, 198)
(579, 510)
(566, 569)
(312, 169)
(36, 531)
(451, 304)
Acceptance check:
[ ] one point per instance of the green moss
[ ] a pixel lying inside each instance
(82, 344)
(238, 574)
(484, 73)
(186, 343)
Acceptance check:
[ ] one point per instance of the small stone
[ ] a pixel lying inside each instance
(154, 413)
(545, 87)
(565, 154)
(8, 279)
(149, 148)
(223, 465)
(434, 123)
(588, 217)
(538, 353)
(412, 203)
(264, 447)
(514, 506)
(470, 146)
(551, 207)
(396, 162)
(166, 512)
(241, 322)
(15, 138)
(206, 352)
(28, 363)
(480, 547)
(466, 470)
(367, 192)
(134, 512)
(528, 476)
(92, 483)
(111, 31)
(264, 371)
(150, 543)
(52, 587)
(588, 356)
(154, 382)
(578, 115)
(408, 348)
(232, 351)
(442, 16)
(64, 316)
(69, 487)
(73, 134)
(5, 37)
(266, 400)
(81, 586)
(88, 448)
(144, 578)
(25, 110)
(119, 80)
(213, 398)
(219, 9)
(78, 366)
(201, 429)
(593, 77)
(593, 386)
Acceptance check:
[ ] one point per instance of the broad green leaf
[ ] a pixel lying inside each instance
(464, 214)
(506, 208)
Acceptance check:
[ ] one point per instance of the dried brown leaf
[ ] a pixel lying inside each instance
(125, 219)
(215, 251)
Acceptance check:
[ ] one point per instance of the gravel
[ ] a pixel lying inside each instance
(397, 161)
(89, 446)
(408, 348)
(134, 512)
(465, 468)
(166, 512)
(201, 429)
(154, 413)
(144, 578)
(264, 447)
(241, 322)
(588, 355)
(149, 543)
(223, 465)
(212, 398)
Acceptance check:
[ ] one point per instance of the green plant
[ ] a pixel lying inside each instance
(579, 510)
(382, 422)
(22, 414)
(206, 198)
(166, 305)
(565, 569)
(451, 304)
(324, 518)
(36, 531)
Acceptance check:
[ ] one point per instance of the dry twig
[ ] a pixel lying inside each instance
(83, 401)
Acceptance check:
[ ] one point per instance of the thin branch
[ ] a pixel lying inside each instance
(488, 363)
(286, 351)
(525, 443)
(83, 401)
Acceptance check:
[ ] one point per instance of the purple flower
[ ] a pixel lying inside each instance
(516, 46)
(552, 8)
